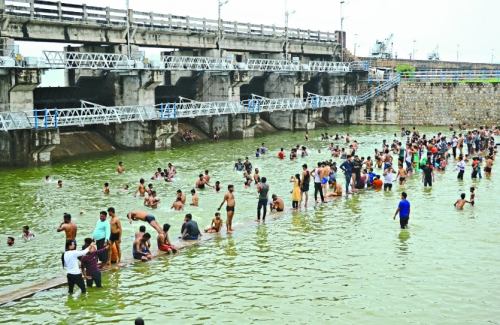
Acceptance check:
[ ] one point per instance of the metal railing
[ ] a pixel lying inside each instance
(450, 75)
(380, 89)
(94, 114)
(111, 61)
(80, 13)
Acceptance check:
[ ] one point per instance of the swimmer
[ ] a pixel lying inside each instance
(120, 169)
(206, 177)
(146, 217)
(47, 179)
(105, 190)
(152, 201)
(140, 188)
(217, 187)
(68, 227)
(10, 241)
(459, 204)
(256, 176)
(281, 154)
(27, 234)
(115, 236)
(195, 198)
(201, 182)
(59, 184)
(140, 250)
(163, 241)
(277, 204)
(216, 224)
(177, 205)
(182, 196)
(230, 205)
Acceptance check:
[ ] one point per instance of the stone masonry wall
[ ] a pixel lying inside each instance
(450, 103)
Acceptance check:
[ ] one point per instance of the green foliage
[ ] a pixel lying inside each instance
(406, 70)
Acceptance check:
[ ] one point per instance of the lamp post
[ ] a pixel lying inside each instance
(287, 15)
(128, 28)
(220, 30)
(458, 51)
(355, 43)
(413, 50)
(341, 32)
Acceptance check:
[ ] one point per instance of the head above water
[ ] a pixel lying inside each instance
(146, 237)
(111, 210)
(67, 217)
(188, 217)
(462, 196)
(10, 241)
(103, 215)
(166, 227)
(230, 187)
(263, 180)
(142, 229)
(70, 245)
(404, 195)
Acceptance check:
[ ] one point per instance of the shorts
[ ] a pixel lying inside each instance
(165, 248)
(403, 222)
(138, 256)
(228, 208)
(487, 169)
(402, 179)
(324, 180)
(427, 181)
(279, 210)
(115, 236)
(150, 218)
(387, 186)
(305, 189)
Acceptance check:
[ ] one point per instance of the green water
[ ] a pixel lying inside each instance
(344, 262)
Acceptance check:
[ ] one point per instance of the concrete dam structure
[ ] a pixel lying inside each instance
(231, 79)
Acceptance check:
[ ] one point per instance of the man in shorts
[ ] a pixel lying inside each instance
(230, 204)
(146, 217)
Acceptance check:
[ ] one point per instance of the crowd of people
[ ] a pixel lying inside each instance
(412, 154)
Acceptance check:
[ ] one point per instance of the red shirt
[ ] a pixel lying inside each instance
(281, 155)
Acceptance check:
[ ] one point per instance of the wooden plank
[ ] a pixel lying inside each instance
(26, 292)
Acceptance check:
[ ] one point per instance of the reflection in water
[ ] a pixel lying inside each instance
(300, 222)
(230, 248)
(404, 235)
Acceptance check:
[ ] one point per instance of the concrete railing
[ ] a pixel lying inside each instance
(121, 62)
(82, 13)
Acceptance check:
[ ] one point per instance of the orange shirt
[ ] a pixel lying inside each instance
(377, 183)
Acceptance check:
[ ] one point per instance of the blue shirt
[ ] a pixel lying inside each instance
(102, 230)
(404, 209)
(347, 166)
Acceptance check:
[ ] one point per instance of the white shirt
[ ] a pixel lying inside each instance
(71, 261)
(389, 178)
(461, 165)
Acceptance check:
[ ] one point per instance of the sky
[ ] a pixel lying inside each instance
(468, 29)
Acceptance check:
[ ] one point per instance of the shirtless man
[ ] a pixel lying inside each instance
(461, 202)
(68, 227)
(206, 177)
(116, 235)
(105, 190)
(401, 174)
(182, 196)
(489, 165)
(194, 199)
(336, 192)
(177, 205)
(140, 188)
(216, 224)
(146, 217)
(201, 182)
(230, 204)
(59, 184)
(120, 169)
(277, 204)
(152, 201)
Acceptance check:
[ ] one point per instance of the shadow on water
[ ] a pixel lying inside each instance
(262, 242)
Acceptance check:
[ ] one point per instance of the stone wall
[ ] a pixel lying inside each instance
(450, 103)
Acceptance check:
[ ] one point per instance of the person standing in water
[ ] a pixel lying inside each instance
(116, 235)
(304, 186)
(68, 227)
(295, 191)
(263, 190)
(120, 169)
(230, 204)
(70, 262)
(404, 211)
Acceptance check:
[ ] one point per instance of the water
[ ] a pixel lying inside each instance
(345, 262)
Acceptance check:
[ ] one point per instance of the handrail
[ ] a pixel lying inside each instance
(67, 12)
